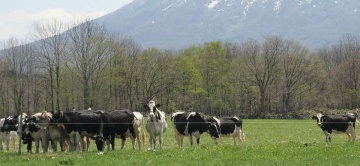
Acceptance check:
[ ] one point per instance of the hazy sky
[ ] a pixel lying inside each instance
(17, 16)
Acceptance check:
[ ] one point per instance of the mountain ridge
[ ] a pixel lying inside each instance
(171, 24)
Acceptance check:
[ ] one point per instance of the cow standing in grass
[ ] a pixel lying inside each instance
(230, 127)
(338, 123)
(139, 132)
(193, 124)
(36, 127)
(8, 126)
(156, 124)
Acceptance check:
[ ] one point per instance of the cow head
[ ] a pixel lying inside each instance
(214, 128)
(57, 117)
(153, 110)
(10, 124)
(99, 142)
(319, 118)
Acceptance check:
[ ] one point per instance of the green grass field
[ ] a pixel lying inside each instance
(268, 142)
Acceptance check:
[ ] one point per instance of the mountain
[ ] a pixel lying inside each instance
(174, 24)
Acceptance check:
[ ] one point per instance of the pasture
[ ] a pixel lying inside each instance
(268, 142)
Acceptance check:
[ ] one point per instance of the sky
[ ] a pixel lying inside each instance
(18, 16)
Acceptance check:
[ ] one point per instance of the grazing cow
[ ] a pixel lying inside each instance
(338, 123)
(230, 127)
(193, 124)
(77, 124)
(120, 123)
(156, 123)
(137, 125)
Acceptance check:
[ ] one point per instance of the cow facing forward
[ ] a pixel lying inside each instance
(156, 123)
(339, 123)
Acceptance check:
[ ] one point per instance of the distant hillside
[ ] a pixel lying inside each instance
(173, 24)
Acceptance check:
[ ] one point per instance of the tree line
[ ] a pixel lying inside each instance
(87, 66)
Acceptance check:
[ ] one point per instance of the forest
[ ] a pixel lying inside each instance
(87, 66)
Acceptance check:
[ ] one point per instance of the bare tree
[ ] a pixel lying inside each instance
(51, 48)
(89, 53)
(300, 70)
(262, 64)
(18, 68)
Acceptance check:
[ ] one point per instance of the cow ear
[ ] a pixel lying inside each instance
(314, 117)
(157, 105)
(146, 106)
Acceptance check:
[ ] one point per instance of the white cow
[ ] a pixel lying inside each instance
(139, 132)
(156, 124)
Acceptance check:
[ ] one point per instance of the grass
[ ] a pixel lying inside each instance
(268, 142)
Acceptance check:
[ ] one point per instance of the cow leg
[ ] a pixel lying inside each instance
(123, 138)
(181, 139)
(161, 139)
(82, 143)
(112, 141)
(154, 142)
(150, 140)
(7, 142)
(191, 139)
(242, 136)
(61, 142)
(353, 135)
(13, 142)
(29, 146)
(1, 147)
(137, 139)
(44, 145)
(74, 141)
(328, 138)
(36, 146)
(54, 145)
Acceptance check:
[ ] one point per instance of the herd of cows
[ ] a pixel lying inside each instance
(74, 129)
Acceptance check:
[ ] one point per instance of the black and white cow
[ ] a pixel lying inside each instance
(193, 124)
(156, 124)
(230, 127)
(139, 131)
(338, 123)
(8, 127)
(120, 123)
(25, 137)
(77, 124)
(36, 126)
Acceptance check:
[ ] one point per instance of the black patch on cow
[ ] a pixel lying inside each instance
(193, 123)
(337, 122)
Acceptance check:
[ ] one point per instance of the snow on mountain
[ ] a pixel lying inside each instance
(170, 24)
